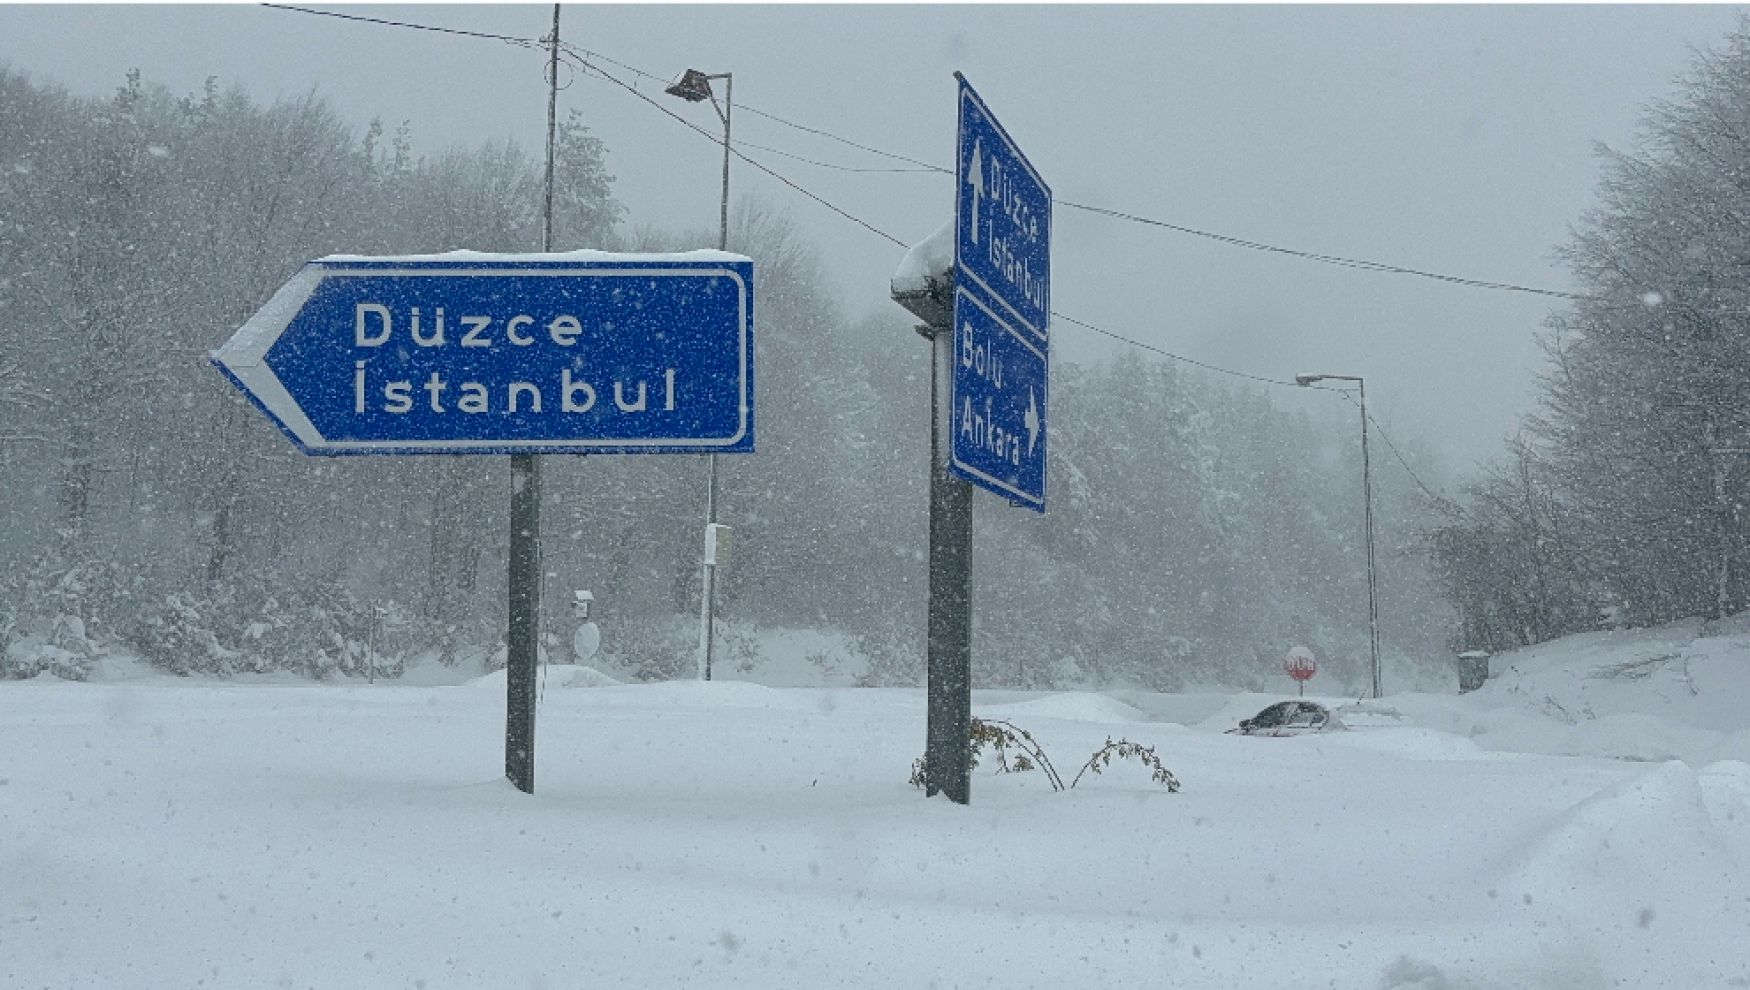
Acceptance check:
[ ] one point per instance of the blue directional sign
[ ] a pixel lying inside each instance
(1002, 310)
(1002, 218)
(584, 353)
(999, 403)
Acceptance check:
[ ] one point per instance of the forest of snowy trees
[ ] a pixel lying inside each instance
(1622, 500)
(1196, 531)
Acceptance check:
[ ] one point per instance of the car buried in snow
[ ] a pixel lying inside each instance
(1290, 718)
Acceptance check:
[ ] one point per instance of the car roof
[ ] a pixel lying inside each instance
(1301, 702)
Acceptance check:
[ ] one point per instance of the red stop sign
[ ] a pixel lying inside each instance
(1300, 664)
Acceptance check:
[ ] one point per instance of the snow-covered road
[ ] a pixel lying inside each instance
(162, 833)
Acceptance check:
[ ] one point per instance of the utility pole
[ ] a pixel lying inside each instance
(522, 638)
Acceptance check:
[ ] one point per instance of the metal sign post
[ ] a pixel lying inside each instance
(986, 319)
(523, 627)
(467, 353)
(948, 720)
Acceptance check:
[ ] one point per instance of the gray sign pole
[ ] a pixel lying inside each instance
(948, 717)
(523, 629)
(522, 640)
(948, 728)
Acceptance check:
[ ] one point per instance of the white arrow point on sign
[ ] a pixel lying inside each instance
(975, 179)
(244, 355)
(1031, 421)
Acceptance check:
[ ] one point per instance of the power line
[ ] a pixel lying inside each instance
(583, 55)
(831, 165)
(534, 42)
(859, 221)
(520, 42)
(1440, 502)
(1055, 314)
(921, 166)
(1169, 354)
(598, 56)
(580, 57)
(1329, 259)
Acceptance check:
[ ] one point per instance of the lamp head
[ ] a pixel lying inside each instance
(1307, 379)
(693, 86)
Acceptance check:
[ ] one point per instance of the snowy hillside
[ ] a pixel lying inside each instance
(161, 832)
(1680, 691)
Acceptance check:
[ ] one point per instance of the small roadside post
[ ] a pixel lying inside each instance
(1473, 670)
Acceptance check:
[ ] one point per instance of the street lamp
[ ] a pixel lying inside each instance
(1367, 501)
(694, 87)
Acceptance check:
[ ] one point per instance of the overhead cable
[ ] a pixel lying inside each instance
(1169, 354)
(601, 73)
(1329, 259)
(521, 42)
(830, 165)
(1441, 502)
(580, 57)
(583, 56)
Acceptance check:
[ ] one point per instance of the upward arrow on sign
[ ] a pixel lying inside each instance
(975, 179)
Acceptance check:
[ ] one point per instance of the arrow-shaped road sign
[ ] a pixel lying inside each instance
(470, 353)
(999, 382)
(1003, 226)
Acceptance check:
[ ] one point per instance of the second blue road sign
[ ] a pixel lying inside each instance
(1002, 310)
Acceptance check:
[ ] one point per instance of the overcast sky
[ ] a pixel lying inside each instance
(1456, 140)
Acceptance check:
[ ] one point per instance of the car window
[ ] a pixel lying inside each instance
(1273, 716)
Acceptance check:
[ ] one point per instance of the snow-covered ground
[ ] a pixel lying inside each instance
(1581, 822)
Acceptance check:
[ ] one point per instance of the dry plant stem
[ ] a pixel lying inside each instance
(1001, 736)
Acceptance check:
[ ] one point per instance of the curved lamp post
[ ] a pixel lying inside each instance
(695, 87)
(1367, 501)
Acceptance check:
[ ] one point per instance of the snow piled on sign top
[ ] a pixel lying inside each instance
(929, 260)
(580, 256)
